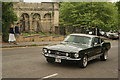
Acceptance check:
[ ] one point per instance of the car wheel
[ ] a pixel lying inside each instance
(50, 60)
(104, 57)
(83, 62)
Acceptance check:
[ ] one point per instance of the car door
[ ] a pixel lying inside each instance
(96, 43)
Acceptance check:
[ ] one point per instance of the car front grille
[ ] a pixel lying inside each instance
(60, 53)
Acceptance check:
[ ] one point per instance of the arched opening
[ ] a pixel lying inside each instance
(47, 16)
(25, 22)
(48, 22)
(36, 22)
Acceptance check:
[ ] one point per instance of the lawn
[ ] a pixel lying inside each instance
(41, 34)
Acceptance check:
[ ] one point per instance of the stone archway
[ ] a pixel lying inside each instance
(36, 22)
(25, 22)
(48, 21)
(47, 16)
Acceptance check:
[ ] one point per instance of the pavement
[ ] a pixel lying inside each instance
(28, 44)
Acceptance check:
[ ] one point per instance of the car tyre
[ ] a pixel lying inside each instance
(50, 60)
(104, 56)
(83, 62)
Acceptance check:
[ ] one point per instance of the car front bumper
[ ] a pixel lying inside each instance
(61, 57)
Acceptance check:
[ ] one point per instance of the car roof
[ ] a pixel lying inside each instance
(86, 35)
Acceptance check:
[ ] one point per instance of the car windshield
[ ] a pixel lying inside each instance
(78, 39)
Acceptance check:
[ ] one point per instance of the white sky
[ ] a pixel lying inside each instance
(37, 0)
(60, 0)
(114, 0)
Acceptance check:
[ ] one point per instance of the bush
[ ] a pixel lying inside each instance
(8, 17)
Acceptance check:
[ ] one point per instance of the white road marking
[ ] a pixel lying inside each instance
(49, 76)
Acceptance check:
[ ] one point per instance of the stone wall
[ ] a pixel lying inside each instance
(37, 17)
(37, 38)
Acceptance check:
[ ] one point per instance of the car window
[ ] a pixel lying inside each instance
(78, 39)
(96, 40)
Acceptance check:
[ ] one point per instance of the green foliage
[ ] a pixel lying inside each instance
(118, 5)
(40, 34)
(8, 17)
(91, 14)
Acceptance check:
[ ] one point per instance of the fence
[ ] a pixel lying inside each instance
(74, 29)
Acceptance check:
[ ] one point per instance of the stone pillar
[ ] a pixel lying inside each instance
(56, 19)
(42, 21)
(30, 22)
(56, 16)
(26, 25)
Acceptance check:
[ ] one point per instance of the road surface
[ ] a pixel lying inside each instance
(28, 62)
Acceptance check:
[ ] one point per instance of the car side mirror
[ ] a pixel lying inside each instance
(94, 44)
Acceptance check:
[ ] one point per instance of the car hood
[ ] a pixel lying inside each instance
(67, 47)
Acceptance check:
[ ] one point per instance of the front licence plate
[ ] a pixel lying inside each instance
(58, 60)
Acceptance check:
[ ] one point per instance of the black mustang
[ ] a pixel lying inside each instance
(78, 47)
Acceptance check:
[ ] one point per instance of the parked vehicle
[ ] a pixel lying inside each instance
(107, 34)
(80, 48)
(114, 36)
(102, 33)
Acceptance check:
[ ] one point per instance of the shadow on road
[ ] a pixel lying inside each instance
(69, 64)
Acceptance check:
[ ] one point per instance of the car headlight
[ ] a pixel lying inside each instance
(45, 50)
(49, 51)
(76, 55)
(67, 54)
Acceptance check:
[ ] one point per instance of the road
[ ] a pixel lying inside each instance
(30, 63)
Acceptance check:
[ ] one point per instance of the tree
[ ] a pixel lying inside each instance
(101, 15)
(118, 5)
(8, 17)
